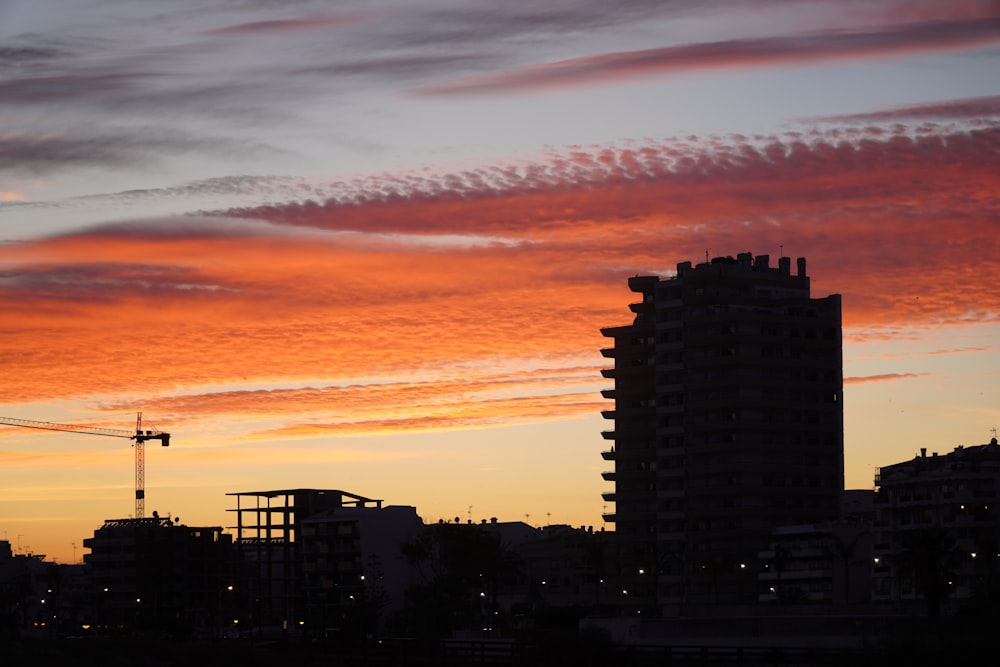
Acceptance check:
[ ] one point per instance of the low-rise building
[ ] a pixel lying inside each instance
(354, 573)
(937, 525)
(567, 567)
(158, 575)
(31, 599)
(828, 563)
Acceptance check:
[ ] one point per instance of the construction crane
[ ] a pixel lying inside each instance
(140, 437)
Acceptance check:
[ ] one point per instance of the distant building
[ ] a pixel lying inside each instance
(562, 566)
(354, 573)
(857, 506)
(939, 512)
(827, 562)
(156, 574)
(29, 594)
(728, 422)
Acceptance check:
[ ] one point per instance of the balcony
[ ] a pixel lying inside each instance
(608, 435)
(610, 517)
(608, 352)
(608, 414)
(608, 475)
(609, 496)
(642, 283)
(608, 455)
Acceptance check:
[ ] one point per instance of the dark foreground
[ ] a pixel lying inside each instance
(576, 652)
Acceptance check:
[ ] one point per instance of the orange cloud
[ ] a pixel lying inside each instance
(456, 300)
(909, 208)
(884, 377)
(369, 398)
(960, 350)
(461, 413)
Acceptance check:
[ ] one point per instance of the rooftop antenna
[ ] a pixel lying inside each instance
(781, 249)
(706, 255)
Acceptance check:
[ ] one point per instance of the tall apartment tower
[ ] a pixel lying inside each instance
(728, 422)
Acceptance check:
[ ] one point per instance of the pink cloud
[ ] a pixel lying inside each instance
(455, 275)
(938, 35)
(885, 377)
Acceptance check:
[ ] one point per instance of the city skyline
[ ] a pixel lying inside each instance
(371, 246)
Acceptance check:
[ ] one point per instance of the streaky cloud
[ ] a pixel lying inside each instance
(984, 107)
(620, 183)
(22, 54)
(69, 87)
(960, 350)
(460, 415)
(291, 25)
(883, 377)
(791, 50)
(891, 218)
(76, 148)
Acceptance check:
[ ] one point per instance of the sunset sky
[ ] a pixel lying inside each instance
(369, 245)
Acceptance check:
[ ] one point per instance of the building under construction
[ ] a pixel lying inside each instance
(269, 531)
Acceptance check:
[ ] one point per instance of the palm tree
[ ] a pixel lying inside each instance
(463, 567)
(929, 553)
(844, 550)
(596, 564)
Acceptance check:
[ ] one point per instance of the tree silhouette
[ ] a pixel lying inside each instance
(929, 554)
(462, 567)
(844, 549)
(596, 563)
(782, 555)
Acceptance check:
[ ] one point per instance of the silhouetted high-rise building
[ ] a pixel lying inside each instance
(728, 422)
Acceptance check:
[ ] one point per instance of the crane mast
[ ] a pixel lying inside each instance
(139, 437)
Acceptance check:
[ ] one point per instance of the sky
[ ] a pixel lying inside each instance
(370, 245)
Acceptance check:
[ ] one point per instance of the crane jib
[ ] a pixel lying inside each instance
(140, 436)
